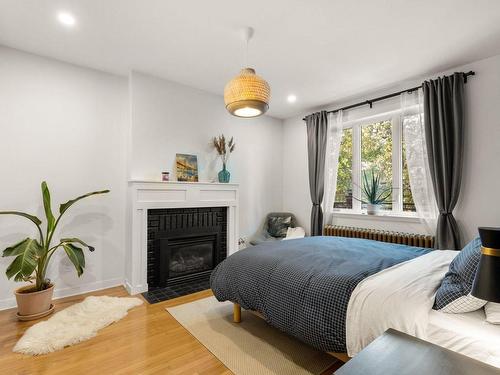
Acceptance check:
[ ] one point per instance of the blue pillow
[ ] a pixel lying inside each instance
(453, 296)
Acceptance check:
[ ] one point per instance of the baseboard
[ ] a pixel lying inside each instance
(132, 290)
(9, 303)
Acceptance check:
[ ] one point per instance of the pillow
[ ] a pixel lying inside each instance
(292, 233)
(278, 225)
(492, 311)
(453, 296)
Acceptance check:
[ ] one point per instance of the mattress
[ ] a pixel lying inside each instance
(468, 334)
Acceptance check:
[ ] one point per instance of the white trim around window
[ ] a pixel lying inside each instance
(397, 213)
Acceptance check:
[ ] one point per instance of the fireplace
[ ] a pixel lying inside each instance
(184, 246)
(153, 206)
(185, 258)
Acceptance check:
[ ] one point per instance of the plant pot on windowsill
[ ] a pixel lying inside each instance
(32, 304)
(373, 209)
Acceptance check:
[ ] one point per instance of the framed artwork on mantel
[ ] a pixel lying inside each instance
(187, 167)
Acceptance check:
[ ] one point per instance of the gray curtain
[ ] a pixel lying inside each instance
(317, 134)
(444, 129)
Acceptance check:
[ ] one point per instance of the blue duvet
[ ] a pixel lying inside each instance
(303, 286)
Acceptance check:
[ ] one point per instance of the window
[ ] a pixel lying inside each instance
(369, 148)
(376, 155)
(343, 194)
(408, 204)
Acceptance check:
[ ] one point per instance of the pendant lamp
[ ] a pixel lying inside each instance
(247, 94)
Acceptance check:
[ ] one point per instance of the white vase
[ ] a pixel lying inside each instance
(372, 209)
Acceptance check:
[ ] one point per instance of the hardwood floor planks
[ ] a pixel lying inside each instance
(147, 341)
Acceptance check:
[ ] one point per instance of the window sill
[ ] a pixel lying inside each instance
(406, 218)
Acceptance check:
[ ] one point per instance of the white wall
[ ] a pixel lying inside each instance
(79, 128)
(66, 125)
(169, 118)
(481, 180)
(83, 130)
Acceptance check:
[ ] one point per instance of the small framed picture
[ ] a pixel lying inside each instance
(187, 167)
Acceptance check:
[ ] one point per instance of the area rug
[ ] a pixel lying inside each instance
(251, 347)
(74, 324)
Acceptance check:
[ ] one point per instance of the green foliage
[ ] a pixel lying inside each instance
(26, 252)
(374, 190)
(376, 154)
(33, 256)
(33, 218)
(76, 256)
(344, 174)
(47, 207)
(407, 195)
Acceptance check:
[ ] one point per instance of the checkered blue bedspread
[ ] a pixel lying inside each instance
(303, 286)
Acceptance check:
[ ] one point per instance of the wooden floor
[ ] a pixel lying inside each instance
(147, 341)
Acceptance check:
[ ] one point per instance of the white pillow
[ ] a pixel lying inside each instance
(296, 232)
(492, 311)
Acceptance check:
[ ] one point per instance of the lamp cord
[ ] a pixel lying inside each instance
(246, 52)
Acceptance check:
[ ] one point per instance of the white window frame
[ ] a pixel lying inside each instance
(397, 163)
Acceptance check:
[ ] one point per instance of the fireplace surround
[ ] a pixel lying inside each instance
(147, 196)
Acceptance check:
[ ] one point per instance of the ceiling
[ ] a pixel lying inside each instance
(319, 50)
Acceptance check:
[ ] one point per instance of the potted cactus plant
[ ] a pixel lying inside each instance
(32, 257)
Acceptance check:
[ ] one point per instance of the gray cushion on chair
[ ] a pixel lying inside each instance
(266, 234)
(278, 225)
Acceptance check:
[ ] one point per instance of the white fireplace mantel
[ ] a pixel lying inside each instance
(144, 195)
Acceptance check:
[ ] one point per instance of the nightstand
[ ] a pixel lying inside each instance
(401, 354)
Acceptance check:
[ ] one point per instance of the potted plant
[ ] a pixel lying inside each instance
(374, 191)
(32, 257)
(224, 150)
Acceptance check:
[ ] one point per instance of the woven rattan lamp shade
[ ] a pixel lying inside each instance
(247, 94)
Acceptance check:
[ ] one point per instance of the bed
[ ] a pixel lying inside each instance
(339, 294)
(303, 286)
(468, 334)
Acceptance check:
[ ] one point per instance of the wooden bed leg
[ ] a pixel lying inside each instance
(237, 313)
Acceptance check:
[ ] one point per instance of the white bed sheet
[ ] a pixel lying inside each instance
(401, 297)
(468, 334)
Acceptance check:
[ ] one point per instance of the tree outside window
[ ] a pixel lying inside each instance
(376, 152)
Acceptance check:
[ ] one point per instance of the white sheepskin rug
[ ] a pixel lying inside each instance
(74, 324)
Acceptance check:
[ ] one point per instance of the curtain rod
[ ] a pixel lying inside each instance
(371, 101)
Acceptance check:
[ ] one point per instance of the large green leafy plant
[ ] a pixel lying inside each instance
(32, 256)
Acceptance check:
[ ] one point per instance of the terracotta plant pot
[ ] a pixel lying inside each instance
(33, 304)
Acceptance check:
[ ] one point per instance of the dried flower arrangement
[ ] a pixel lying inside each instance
(223, 148)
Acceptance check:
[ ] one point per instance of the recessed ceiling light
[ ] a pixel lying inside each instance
(291, 98)
(66, 18)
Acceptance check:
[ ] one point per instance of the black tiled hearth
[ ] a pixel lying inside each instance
(155, 295)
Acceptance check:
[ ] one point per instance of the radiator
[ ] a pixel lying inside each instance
(410, 239)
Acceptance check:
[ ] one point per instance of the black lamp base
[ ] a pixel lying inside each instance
(487, 282)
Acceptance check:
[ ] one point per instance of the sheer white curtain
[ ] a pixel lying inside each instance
(332, 163)
(412, 117)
